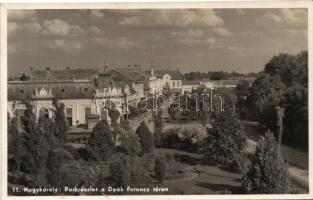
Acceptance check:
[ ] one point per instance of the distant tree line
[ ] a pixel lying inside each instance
(215, 75)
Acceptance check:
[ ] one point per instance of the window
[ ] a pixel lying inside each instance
(178, 84)
(68, 112)
(43, 112)
(69, 118)
(87, 113)
(173, 84)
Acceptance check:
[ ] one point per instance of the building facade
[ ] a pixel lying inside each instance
(83, 98)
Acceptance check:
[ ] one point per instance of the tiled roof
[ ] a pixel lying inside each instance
(175, 75)
(27, 90)
(83, 74)
(131, 74)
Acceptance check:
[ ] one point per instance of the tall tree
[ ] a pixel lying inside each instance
(129, 142)
(14, 142)
(284, 83)
(158, 126)
(33, 142)
(292, 69)
(242, 91)
(268, 172)
(146, 138)
(226, 141)
(100, 143)
(265, 94)
(60, 119)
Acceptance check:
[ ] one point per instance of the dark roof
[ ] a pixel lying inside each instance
(175, 74)
(191, 82)
(25, 91)
(129, 74)
(84, 74)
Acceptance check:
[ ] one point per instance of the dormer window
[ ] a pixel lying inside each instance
(21, 91)
(62, 90)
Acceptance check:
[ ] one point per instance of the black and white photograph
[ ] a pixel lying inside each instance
(126, 101)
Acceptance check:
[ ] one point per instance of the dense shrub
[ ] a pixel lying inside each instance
(100, 144)
(146, 138)
(226, 141)
(128, 170)
(188, 139)
(268, 172)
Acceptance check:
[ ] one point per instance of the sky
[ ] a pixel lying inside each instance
(241, 40)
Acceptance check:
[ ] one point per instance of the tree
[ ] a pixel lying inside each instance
(283, 83)
(100, 143)
(60, 120)
(160, 169)
(37, 140)
(292, 69)
(127, 170)
(296, 116)
(226, 141)
(120, 173)
(14, 143)
(114, 115)
(63, 169)
(265, 94)
(34, 143)
(158, 126)
(129, 142)
(145, 138)
(268, 172)
(242, 91)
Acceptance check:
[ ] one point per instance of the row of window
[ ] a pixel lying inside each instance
(177, 83)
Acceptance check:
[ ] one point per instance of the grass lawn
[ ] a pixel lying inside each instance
(197, 178)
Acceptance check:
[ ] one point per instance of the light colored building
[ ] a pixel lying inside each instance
(189, 86)
(155, 84)
(171, 80)
(84, 92)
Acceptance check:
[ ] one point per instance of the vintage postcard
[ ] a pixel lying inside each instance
(156, 101)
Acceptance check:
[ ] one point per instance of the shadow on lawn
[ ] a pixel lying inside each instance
(187, 159)
(220, 187)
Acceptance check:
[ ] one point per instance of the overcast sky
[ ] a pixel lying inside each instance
(240, 40)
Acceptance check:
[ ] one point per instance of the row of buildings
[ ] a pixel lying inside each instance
(85, 92)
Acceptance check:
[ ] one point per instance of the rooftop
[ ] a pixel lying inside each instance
(175, 74)
(68, 74)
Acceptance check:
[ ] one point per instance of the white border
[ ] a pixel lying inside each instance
(3, 89)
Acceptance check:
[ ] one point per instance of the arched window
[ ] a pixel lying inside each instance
(43, 112)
